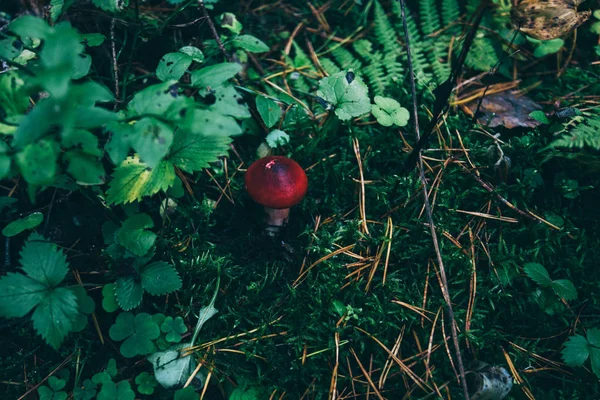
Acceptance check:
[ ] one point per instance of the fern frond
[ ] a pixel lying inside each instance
(482, 55)
(329, 66)
(430, 17)
(438, 59)
(344, 58)
(374, 69)
(417, 49)
(450, 12)
(584, 135)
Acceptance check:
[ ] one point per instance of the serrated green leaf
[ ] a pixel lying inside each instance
(135, 236)
(388, 112)
(19, 294)
(151, 140)
(269, 110)
(133, 180)
(347, 93)
(138, 332)
(172, 66)
(43, 261)
(30, 26)
(38, 162)
(192, 152)
(251, 44)
(215, 75)
(159, 278)
(23, 224)
(128, 292)
(593, 338)
(193, 52)
(565, 289)
(53, 316)
(538, 274)
(576, 351)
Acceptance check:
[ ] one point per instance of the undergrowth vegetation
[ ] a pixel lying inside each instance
(135, 265)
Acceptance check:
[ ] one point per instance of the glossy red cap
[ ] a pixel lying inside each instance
(276, 182)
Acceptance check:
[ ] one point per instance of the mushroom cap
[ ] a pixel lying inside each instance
(276, 182)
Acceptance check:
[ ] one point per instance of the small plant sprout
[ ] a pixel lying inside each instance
(277, 183)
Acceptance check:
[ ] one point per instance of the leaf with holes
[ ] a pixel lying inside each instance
(347, 93)
(172, 66)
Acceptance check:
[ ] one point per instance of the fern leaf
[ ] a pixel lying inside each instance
(584, 135)
(385, 35)
(417, 50)
(450, 12)
(329, 66)
(346, 59)
(374, 69)
(482, 55)
(430, 17)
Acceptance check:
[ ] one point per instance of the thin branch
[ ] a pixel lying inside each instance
(429, 212)
(114, 60)
(213, 30)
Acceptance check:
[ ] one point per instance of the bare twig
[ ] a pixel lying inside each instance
(114, 60)
(213, 29)
(444, 280)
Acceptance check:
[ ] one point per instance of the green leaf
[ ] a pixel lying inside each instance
(347, 93)
(23, 224)
(269, 110)
(538, 274)
(172, 66)
(229, 21)
(110, 5)
(546, 47)
(193, 52)
(111, 368)
(245, 393)
(87, 391)
(539, 116)
(120, 141)
(13, 99)
(37, 162)
(133, 180)
(565, 289)
(277, 138)
(53, 316)
(192, 152)
(43, 261)
(128, 292)
(19, 295)
(80, 139)
(30, 26)
(5, 161)
(146, 383)
(576, 351)
(109, 298)
(84, 168)
(6, 201)
(159, 278)
(593, 338)
(162, 100)
(389, 112)
(138, 333)
(215, 75)
(85, 305)
(56, 384)
(151, 140)
(134, 235)
(119, 391)
(92, 39)
(251, 44)
(173, 327)
(187, 393)
(210, 123)
(230, 102)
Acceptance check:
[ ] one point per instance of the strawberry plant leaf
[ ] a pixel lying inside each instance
(138, 333)
(128, 292)
(230, 102)
(192, 152)
(135, 236)
(159, 278)
(538, 274)
(576, 351)
(269, 110)
(210, 123)
(53, 317)
(565, 289)
(19, 294)
(84, 168)
(133, 180)
(151, 140)
(43, 261)
(23, 224)
(347, 93)
(172, 66)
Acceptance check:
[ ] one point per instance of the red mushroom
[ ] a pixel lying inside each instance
(277, 183)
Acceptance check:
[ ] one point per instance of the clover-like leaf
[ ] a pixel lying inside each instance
(173, 327)
(109, 298)
(87, 390)
(86, 306)
(137, 332)
(389, 112)
(146, 383)
(187, 393)
(347, 93)
(116, 391)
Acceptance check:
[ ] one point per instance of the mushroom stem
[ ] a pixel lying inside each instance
(275, 219)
